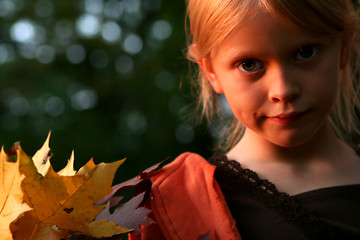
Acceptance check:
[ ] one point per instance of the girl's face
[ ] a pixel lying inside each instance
(279, 82)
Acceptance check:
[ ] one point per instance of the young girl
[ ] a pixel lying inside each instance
(288, 70)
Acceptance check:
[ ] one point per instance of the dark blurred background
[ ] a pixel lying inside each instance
(108, 77)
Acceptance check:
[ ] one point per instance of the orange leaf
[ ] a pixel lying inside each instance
(11, 196)
(27, 227)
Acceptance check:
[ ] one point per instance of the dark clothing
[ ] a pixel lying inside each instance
(261, 212)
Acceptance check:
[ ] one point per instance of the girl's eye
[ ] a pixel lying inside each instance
(306, 53)
(250, 65)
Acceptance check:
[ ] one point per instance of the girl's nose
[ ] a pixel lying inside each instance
(283, 86)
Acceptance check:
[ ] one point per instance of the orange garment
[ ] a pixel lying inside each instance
(187, 202)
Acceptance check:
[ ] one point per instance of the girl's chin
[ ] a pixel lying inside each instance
(290, 142)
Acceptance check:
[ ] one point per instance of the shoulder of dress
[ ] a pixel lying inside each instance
(190, 158)
(187, 161)
(186, 164)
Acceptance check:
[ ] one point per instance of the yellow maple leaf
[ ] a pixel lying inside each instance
(66, 202)
(42, 157)
(68, 170)
(11, 195)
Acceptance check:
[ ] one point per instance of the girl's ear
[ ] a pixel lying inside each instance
(207, 68)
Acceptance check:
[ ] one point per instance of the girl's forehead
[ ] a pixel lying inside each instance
(259, 21)
(264, 23)
(264, 35)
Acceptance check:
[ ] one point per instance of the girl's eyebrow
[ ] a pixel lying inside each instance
(238, 54)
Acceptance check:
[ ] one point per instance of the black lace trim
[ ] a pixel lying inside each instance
(265, 192)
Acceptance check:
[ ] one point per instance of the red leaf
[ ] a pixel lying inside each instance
(128, 215)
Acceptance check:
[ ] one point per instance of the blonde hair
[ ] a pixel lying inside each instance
(210, 21)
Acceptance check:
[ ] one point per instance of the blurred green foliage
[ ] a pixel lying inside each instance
(108, 77)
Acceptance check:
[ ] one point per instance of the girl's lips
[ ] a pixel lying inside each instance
(287, 118)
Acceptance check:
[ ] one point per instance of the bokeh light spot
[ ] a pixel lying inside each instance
(27, 50)
(132, 44)
(18, 106)
(161, 29)
(84, 99)
(137, 123)
(75, 54)
(114, 9)
(94, 6)
(22, 31)
(132, 6)
(88, 25)
(54, 106)
(7, 8)
(45, 54)
(111, 31)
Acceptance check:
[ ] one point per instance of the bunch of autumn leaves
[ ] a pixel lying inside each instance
(38, 203)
